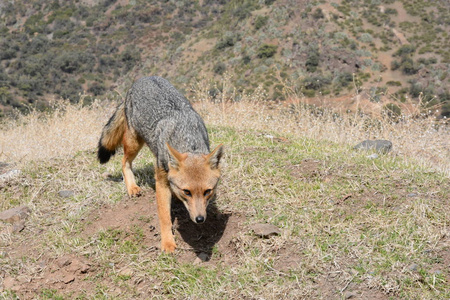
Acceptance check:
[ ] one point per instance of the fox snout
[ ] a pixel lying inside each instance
(197, 210)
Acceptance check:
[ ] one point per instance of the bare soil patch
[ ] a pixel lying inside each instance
(209, 243)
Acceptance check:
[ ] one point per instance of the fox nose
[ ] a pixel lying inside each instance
(199, 219)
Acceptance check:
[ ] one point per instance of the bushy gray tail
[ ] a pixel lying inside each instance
(112, 135)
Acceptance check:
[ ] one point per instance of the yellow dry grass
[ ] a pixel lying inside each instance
(72, 128)
(60, 133)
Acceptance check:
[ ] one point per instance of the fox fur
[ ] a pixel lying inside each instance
(156, 114)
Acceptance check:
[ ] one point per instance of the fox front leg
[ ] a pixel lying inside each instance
(163, 201)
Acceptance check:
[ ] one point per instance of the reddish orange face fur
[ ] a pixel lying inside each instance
(193, 179)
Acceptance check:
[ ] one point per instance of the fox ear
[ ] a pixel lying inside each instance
(214, 157)
(175, 157)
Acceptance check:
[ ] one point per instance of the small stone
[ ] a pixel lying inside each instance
(126, 272)
(84, 268)
(66, 194)
(412, 195)
(63, 261)
(265, 230)
(18, 226)
(15, 214)
(349, 295)
(413, 267)
(437, 272)
(9, 175)
(202, 257)
(380, 146)
(68, 278)
(372, 156)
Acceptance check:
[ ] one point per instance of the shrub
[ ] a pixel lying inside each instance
(405, 50)
(318, 14)
(394, 83)
(228, 40)
(219, 68)
(312, 61)
(97, 88)
(246, 59)
(366, 38)
(260, 22)
(392, 110)
(266, 51)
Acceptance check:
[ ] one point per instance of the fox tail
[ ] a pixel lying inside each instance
(112, 135)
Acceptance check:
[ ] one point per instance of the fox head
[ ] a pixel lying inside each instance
(193, 179)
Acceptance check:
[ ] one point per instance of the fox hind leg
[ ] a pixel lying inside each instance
(132, 144)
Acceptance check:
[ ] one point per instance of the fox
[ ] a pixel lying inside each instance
(155, 113)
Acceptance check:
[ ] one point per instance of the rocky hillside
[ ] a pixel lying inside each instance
(383, 50)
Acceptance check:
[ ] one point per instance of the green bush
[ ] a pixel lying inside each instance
(392, 110)
(318, 14)
(219, 68)
(97, 88)
(394, 83)
(312, 61)
(405, 50)
(260, 22)
(228, 40)
(266, 51)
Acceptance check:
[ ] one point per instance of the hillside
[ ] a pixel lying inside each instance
(381, 51)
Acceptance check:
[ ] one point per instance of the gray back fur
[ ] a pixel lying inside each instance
(160, 114)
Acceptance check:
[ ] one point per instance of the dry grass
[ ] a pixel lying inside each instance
(416, 136)
(62, 132)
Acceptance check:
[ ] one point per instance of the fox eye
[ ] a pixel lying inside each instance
(207, 192)
(187, 192)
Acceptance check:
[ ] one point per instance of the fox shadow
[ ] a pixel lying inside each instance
(200, 237)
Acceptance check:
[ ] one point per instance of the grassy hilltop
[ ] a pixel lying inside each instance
(351, 226)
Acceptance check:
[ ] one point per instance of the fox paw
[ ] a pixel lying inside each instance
(134, 191)
(168, 246)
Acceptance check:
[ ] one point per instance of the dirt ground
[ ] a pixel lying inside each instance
(68, 273)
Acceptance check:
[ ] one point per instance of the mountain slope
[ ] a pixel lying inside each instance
(387, 50)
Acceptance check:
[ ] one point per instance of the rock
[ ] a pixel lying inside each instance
(84, 268)
(381, 146)
(9, 175)
(349, 295)
(68, 278)
(126, 272)
(15, 215)
(66, 194)
(18, 226)
(63, 262)
(413, 267)
(372, 156)
(202, 257)
(412, 195)
(265, 230)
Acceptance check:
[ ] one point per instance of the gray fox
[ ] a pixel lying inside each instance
(156, 114)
